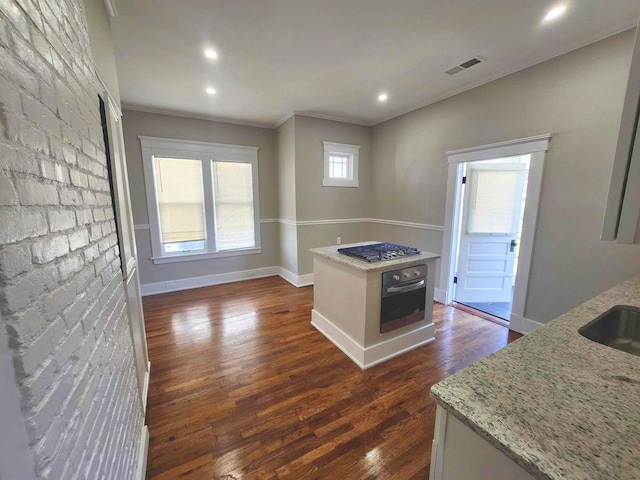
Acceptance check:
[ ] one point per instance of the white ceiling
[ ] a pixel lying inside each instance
(331, 58)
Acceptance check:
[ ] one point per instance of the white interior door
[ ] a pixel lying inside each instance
(489, 229)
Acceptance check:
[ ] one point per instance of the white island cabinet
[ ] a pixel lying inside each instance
(347, 295)
(458, 453)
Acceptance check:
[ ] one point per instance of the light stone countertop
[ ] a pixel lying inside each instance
(332, 254)
(559, 405)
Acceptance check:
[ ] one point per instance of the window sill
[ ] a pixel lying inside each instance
(189, 257)
(333, 182)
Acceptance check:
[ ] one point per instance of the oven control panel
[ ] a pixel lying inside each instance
(405, 275)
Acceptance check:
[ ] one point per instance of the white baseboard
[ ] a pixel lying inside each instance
(206, 281)
(440, 296)
(375, 354)
(143, 451)
(296, 280)
(523, 325)
(145, 388)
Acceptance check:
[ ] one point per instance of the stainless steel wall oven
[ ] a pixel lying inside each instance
(403, 297)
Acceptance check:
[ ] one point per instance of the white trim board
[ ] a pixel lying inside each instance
(296, 280)
(534, 146)
(336, 221)
(145, 389)
(143, 452)
(206, 281)
(523, 325)
(375, 354)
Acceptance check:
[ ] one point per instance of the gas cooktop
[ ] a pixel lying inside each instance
(378, 252)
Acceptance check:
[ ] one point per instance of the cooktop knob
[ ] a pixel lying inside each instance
(407, 275)
(396, 277)
(416, 273)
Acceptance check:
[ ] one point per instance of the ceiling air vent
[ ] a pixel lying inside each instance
(465, 65)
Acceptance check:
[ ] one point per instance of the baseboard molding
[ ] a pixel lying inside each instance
(206, 281)
(523, 325)
(145, 388)
(143, 452)
(440, 296)
(375, 354)
(296, 280)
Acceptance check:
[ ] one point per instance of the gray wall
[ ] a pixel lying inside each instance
(315, 202)
(578, 99)
(62, 304)
(151, 124)
(101, 41)
(286, 160)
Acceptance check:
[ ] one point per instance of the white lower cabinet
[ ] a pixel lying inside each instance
(458, 453)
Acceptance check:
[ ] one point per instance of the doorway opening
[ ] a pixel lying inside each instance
(493, 193)
(493, 199)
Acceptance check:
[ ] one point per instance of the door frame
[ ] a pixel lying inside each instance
(537, 147)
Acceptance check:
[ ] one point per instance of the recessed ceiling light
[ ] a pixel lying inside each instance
(211, 91)
(210, 53)
(382, 97)
(554, 13)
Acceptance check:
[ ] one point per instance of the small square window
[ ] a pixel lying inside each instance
(340, 165)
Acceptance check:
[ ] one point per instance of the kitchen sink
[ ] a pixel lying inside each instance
(618, 327)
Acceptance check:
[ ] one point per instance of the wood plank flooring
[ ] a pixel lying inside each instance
(242, 386)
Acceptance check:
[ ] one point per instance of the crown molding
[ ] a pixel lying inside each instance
(333, 118)
(210, 118)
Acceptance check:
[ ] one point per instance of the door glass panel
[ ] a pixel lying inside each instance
(180, 199)
(495, 201)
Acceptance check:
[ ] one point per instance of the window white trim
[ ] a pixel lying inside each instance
(206, 153)
(342, 148)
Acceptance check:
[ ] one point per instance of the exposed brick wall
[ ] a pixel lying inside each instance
(62, 298)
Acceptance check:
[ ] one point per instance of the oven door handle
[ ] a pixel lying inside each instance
(406, 288)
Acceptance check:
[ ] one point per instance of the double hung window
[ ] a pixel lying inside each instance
(202, 199)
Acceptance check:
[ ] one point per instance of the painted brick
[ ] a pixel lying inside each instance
(79, 179)
(8, 195)
(36, 193)
(61, 220)
(58, 300)
(54, 171)
(18, 224)
(75, 312)
(20, 131)
(9, 97)
(26, 326)
(14, 260)
(16, 17)
(33, 357)
(17, 72)
(49, 249)
(41, 115)
(78, 239)
(70, 265)
(78, 384)
(69, 196)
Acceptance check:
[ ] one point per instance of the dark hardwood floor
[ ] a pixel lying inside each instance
(242, 386)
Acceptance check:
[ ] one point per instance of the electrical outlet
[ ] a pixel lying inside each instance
(338, 240)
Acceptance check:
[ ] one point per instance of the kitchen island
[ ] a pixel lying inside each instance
(552, 405)
(347, 304)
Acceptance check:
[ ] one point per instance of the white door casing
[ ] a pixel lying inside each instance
(127, 245)
(536, 147)
(490, 219)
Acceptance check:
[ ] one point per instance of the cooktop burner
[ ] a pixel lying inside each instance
(378, 252)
